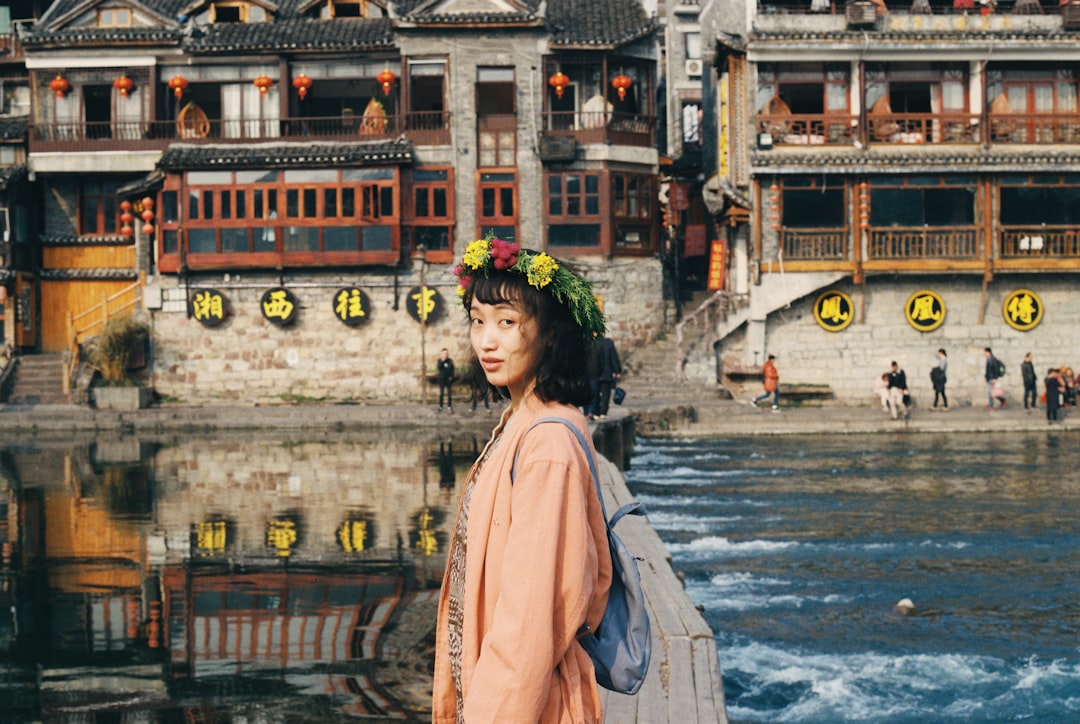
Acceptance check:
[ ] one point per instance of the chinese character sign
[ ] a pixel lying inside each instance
(423, 304)
(426, 538)
(717, 265)
(834, 310)
(925, 310)
(211, 538)
(279, 306)
(351, 306)
(281, 536)
(209, 307)
(1023, 310)
(353, 536)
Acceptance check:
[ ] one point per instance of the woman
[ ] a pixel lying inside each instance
(528, 562)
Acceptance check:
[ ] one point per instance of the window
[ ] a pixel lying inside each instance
(229, 13)
(267, 218)
(813, 204)
(496, 119)
(1040, 201)
(922, 201)
(498, 205)
(98, 211)
(573, 210)
(114, 17)
(431, 213)
(805, 88)
(633, 197)
(693, 46)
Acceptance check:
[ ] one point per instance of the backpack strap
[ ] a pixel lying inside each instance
(633, 508)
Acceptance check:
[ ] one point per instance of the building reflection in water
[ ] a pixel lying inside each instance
(225, 577)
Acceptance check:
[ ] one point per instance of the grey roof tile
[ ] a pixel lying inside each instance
(188, 157)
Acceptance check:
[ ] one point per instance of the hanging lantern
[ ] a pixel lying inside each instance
(148, 228)
(125, 205)
(59, 86)
(559, 81)
(123, 84)
(386, 80)
(263, 83)
(147, 202)
(302, 83)
(178, 83)
(147, 215)
(126, 230)
(621, 83)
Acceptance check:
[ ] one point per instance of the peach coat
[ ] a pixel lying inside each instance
(537, 566)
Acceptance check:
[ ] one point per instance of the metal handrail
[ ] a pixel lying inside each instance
(723, 301)
(98, 315)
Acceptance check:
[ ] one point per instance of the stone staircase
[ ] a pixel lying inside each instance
(38, 379)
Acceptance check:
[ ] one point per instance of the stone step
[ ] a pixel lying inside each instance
(37, 380)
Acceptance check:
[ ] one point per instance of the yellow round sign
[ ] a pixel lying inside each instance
(834, 310)
(1023, 310)
(925, 310)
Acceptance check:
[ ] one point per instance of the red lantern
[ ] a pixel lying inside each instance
(125, 205)
(621, 83)
(59, 86)
(386, 80)
(126, 218)
(147, 202)
(178, 83)
(148, 228)
(263, 83)
(559, 81)
(126, 230)
(301, 83)
(123, 84)
(147, 215)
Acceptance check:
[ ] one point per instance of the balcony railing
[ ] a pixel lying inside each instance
(1040, 242)
(924, 242)
(806, 129)
(923, 128)
(422, 128)
(624, 129)
(815, 244)
(1035, 128)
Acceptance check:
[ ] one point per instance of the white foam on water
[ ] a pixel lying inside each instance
(667, 521)
(721, 546)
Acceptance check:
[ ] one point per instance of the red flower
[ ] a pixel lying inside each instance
(504, 254)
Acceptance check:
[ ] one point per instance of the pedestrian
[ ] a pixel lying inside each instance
(608, 374)
(445, 374)
(1031, 381)
(997, 391)
(994, 370)
(1054, 386)
(528, 563)
(771, 382)
(481, 392)
(898, 392)
(938, 379)
(881, 389)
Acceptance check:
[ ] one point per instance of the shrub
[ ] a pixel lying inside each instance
(113, 348)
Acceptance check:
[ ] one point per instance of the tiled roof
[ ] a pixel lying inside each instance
(85, 36)
(423, 12)
(295, 34)
(189, 157)
(597, 23)
(1044, 159)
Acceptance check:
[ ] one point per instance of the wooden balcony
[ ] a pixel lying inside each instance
(815, 244)
(1037, 128)
(10, 47)
(924, 243)
(1040, 242)
(620, 129)
(809, 130)
(423, 129)
(923, 128)
(911, 7)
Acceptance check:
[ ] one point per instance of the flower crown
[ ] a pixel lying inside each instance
(543, 271)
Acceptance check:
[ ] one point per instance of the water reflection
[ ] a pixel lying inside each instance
(214, 578)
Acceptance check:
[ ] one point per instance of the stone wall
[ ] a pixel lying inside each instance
(249, 360)
(849, 361)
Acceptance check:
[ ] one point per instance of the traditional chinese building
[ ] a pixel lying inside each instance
(294, 179)
(912, 174)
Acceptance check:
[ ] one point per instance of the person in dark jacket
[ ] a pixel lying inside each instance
(1054, 386)
(993, 371)
(898, 390)
(1031, 381)
(938, 379)
(445, 367)
(608, 372)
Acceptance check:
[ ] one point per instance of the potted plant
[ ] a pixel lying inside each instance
(111, 354)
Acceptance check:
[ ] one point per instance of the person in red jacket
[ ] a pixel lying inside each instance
(772, 384)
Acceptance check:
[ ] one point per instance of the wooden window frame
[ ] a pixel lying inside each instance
(600, 218)
(483, 223)
(102, 13)
(101, 225)
(644, 220)
(244, 8)
(413, 220)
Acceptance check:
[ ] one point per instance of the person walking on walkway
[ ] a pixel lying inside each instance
(528, 563)
(938, 378)
(1054, 386)
(445, 373)
(994, 370)
(1031, 381)
(898, 392)
(771, 382)
(608, 373)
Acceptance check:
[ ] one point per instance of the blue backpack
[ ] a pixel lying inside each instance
(621, 647)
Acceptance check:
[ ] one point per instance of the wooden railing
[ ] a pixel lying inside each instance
(924, 242)
(624, 129)
(93, 320)
(1040, 241)
(804, 129)
(1035, 128)
(815, 243)
(923, 128)
(422, 128)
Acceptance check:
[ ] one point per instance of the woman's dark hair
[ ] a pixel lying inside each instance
(562, 367)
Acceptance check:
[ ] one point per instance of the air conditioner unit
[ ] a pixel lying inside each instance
(1070, 15)
(693, 68)
(860, 13)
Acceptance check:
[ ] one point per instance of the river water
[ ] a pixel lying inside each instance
(798, 548)
(267, 579)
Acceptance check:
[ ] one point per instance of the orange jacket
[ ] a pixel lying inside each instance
(772, 377)
(537, 566)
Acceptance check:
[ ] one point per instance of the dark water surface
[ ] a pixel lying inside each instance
(225, 578)
(799, 548)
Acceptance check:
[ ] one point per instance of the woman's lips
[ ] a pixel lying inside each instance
(490, 364)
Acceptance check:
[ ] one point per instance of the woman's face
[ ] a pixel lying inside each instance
(504, 338)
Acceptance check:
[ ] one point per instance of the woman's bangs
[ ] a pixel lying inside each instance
(501, 289)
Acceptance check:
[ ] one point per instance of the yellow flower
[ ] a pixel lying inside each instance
(476, 254)
(542, 270)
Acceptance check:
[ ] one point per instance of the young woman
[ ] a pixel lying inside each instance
(528, 562)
